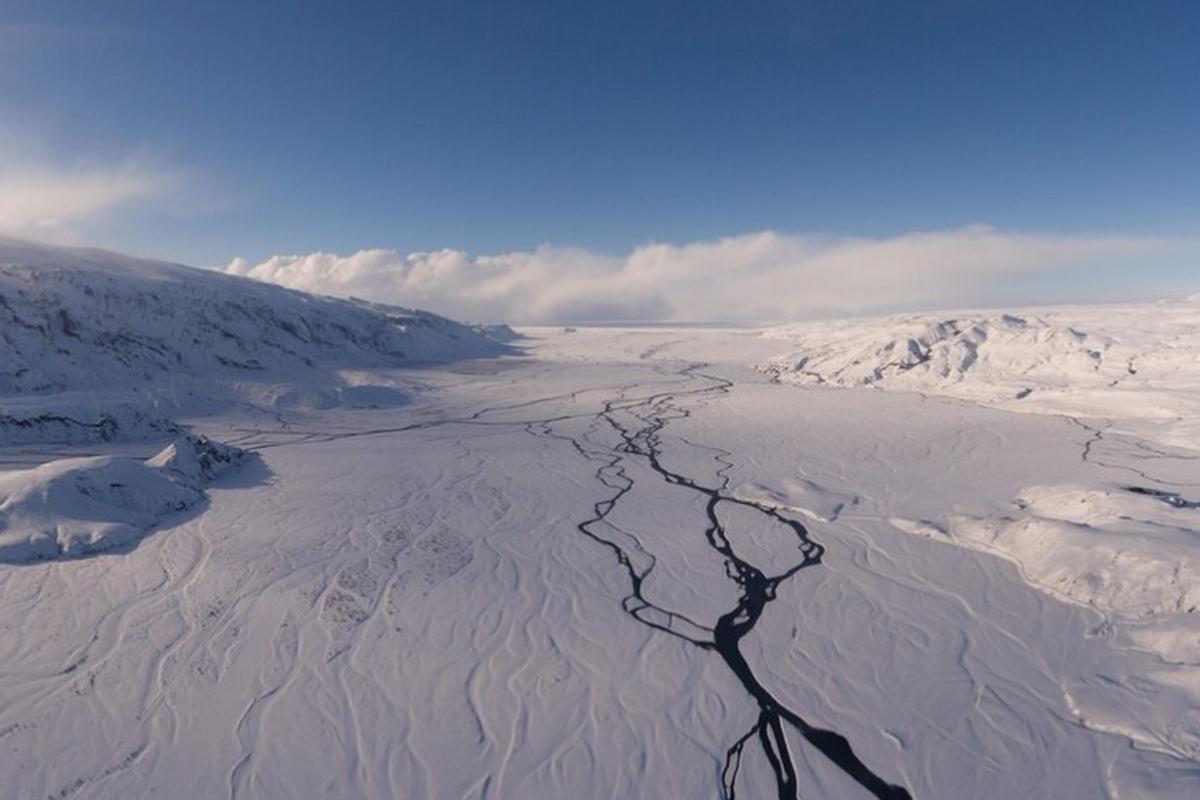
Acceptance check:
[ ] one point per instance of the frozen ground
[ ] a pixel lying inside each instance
(616, 563)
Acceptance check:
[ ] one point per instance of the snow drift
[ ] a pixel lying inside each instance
(1131, 553)
(1127, 550)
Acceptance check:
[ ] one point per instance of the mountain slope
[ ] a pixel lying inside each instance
(1133, 362)
(90, 319)
(96, 346)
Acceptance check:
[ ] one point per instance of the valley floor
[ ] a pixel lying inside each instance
(625, 564)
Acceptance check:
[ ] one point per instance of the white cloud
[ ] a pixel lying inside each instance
(760, 276)
(44, 195)
(33, 198)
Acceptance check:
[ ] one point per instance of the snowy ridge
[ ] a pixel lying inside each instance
(87, 319)
(1129, 552)
(921, 350)
(498, 332)
(1134, 363)
(98, 346)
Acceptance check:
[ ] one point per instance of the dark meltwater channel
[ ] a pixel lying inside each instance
(643, 440)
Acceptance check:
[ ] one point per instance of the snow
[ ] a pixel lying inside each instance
(1130, 544)
(494, 576)
(80, 506)
(1123, 537)
(150, 338)
(799, 495)
(498, 332)
(1107, 547)
(1137, 365)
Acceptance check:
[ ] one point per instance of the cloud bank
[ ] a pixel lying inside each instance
(758, 276)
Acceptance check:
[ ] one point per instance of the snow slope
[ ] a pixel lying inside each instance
(79, 506)
(1133, 555)
(90, 319)
(1127, 550)
(99, 347)
(97, 344)
(1136, 365)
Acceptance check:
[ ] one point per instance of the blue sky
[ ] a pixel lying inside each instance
(249, 129)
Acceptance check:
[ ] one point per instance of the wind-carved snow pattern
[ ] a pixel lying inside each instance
(549, 576)
(610, 569)
(639, 424)
(408, 560)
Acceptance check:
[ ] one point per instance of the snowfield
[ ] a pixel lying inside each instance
(819, 561)
(1125, 542)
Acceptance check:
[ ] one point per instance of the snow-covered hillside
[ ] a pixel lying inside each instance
(100, 347)
(90, 319)
(1136, 364)
(79, 506)
(98, 344)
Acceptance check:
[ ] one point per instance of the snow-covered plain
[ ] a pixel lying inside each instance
(616, 563)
